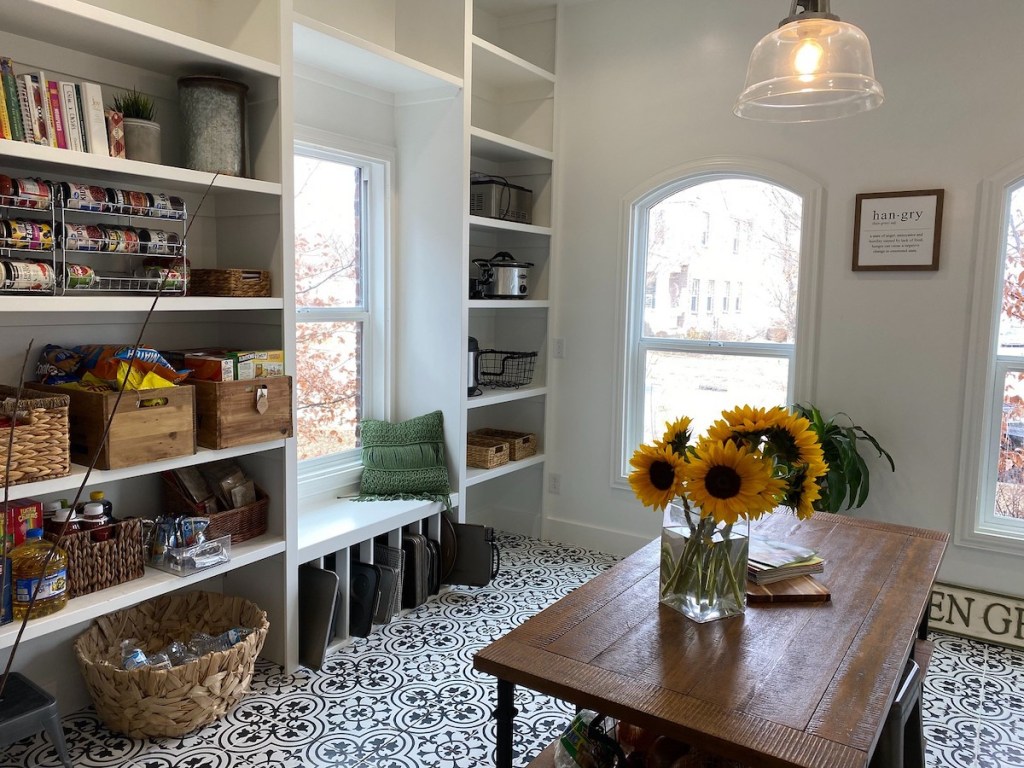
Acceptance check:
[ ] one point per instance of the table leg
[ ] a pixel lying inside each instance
(504, 714)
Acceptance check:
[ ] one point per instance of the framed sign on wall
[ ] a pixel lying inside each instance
(897, 230)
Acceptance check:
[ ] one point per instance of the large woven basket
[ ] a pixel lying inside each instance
(145, 702)
(247, 283)
(41, 444)
(241, 523)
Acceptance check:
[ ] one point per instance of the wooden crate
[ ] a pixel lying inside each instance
(226, 412)
(486, 452)
(520, 444)
(145, 426)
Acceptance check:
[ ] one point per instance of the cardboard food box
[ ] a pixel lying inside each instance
(147, 425)
(231, 413)
(210, 367)
(22, 515)
(258, 364)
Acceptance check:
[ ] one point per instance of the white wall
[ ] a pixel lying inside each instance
(646, 85)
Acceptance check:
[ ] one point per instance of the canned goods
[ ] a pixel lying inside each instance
(139, 202)
(83, 237)
(78, 276)
(120, 239)
(27, 276)
(84, 197)
(159, 242)
(167, 206)
(26, 233)
(169, 279)
(6, 189)
(32, 193)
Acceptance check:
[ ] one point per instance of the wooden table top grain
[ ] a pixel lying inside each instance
(802, 685)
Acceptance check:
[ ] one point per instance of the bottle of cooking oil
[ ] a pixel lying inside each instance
(27, 571)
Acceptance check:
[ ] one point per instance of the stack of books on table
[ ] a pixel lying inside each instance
(770, 560)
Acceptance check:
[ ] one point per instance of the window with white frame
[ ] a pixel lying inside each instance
(992, 484)
(699, 363)
(341, 261)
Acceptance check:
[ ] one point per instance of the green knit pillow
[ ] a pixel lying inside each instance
(404, 460)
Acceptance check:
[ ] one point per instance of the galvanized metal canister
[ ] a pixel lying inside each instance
(213, 124)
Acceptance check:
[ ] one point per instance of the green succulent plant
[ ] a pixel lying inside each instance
(848, 478)
(133, 104)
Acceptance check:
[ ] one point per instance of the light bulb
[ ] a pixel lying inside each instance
(807, 59)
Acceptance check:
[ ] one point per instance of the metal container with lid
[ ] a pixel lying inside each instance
(502, 277)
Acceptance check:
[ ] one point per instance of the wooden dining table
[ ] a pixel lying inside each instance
(792, 684)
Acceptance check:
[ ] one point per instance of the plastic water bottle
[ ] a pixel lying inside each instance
(576, 748)
(27, 572)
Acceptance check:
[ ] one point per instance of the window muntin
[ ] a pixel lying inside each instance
(701, 361)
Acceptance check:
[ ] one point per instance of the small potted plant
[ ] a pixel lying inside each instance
(141, 131)
(848, 474)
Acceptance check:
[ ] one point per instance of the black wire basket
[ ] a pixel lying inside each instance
(498, 368)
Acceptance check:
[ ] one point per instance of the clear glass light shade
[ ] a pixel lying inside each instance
(811, 69)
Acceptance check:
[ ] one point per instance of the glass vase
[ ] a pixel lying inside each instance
(703, 564)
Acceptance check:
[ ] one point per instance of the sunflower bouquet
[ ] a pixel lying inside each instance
(750, 462)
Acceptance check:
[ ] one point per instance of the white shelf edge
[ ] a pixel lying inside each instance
(335, 51)
(500, 148)
(113, 302)
(503, 68)
(475, 476)
(334, 524)
(485, 223)
(116, 168)
(508, 304)
(99, 476)
(153, 584)
(89, 28)
(505, 396)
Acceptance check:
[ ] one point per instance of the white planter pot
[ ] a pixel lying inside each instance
(142, 140)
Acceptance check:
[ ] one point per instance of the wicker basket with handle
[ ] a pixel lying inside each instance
(241, 523)
(145, 701)
(96, 565)
(41, 445)
(245, 283)
(486, 452)
(521, 445)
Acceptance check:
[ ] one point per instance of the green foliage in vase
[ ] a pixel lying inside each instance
(133, 104)
(848, 477)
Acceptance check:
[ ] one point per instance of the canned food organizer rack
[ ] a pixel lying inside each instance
(113, 258)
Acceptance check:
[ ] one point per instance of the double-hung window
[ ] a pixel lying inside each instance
(991, 504)
(341, 271)
(699, 362)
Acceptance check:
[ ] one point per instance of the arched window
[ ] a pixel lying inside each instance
(991, 500)
(718, 292)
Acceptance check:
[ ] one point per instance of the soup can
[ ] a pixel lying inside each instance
(83, 237)
(32, 193)
(77, 276)
(28, 276)
(159, 242)
(84, 197)
(169, 279)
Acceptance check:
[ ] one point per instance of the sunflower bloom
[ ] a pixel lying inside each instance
(728, 482)
(657, 475)
(794, 442)
(745, 420)
(677, 435)
(802, 497)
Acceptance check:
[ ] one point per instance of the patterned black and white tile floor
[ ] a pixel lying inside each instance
(407, 696)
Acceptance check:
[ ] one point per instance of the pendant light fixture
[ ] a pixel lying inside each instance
(813, 67)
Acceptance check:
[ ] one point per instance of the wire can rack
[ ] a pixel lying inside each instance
(499, 368)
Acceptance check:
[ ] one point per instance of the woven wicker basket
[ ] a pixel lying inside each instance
(241, 523)
(96, 565)
(41, 444)
(521, 445)
(248, 283)
(486, 452)
(145, 702)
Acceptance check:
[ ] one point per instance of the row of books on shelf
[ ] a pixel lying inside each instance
(769, 561)
(57, 113)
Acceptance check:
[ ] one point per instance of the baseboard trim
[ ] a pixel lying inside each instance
(593, 537)
(977, 614)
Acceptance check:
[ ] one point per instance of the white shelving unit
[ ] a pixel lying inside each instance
(234, 222)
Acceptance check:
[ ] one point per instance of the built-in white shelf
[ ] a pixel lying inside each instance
(331, 524)
(84, 27)
(475, 476)
(509, 304)
(108, 302)
(339, 53)
(483, 223)
(153, 584)
(501, 149)
(497, 68)
(116, 170)
(496, 396)
(73, 481)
